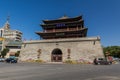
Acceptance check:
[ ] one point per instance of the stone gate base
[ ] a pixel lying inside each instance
(62, 50)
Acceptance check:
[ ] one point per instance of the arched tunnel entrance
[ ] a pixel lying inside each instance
(56, 55)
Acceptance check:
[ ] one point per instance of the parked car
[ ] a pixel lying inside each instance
(116, 59)
(11, 59)
(101, 61)
(2, 59)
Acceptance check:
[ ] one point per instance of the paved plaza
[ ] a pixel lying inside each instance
(37, 71)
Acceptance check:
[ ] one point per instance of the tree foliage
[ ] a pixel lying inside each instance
(4, 52)
(17, 54)
(112, 50)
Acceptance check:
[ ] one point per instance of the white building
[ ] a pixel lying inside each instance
(12, 39)
(7, 33)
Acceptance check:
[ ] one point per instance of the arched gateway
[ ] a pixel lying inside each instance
(56, 55)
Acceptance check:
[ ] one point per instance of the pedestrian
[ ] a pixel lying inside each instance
(95, 61)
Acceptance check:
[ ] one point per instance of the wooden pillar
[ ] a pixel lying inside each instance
(67, 28)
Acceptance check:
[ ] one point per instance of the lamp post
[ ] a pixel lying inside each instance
(69, 52)
(39, 53)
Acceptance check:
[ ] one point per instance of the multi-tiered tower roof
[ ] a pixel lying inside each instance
(63, 27)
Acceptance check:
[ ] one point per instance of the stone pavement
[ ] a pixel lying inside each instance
(37, 71)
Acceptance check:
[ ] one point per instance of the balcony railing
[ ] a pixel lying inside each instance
(62, 30)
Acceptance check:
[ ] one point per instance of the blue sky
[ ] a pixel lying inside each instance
(102, 17)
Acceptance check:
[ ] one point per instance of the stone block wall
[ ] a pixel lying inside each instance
(80, 49)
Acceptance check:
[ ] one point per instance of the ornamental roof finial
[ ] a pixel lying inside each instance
(7, 25)
(8, 18)
(64, 17)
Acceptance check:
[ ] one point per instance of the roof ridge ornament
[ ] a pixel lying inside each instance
(7, 25)
(64, 17)
(8, 18)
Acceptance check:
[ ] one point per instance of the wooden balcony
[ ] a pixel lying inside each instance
(62, 30)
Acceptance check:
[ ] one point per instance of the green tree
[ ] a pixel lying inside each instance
(17, 54)
(4, 52)
(112, 50)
